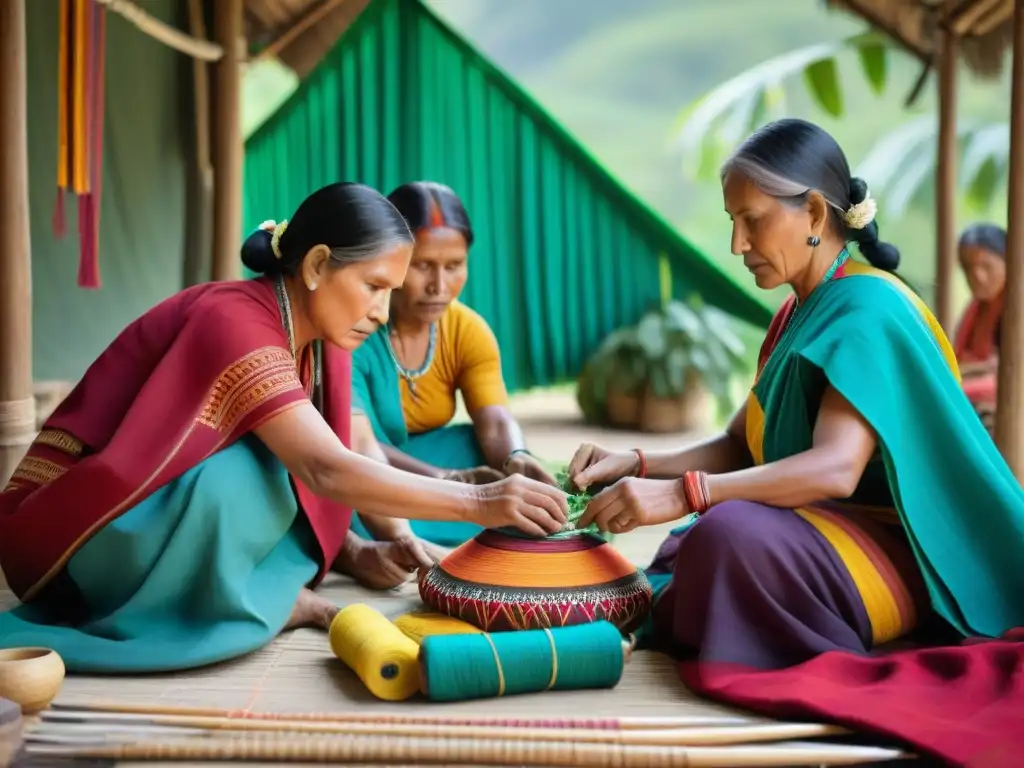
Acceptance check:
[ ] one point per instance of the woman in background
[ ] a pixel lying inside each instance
(976, 343)
(178, 507)
(407, 375)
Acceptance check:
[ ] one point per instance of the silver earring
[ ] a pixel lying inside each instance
(311, 286)
(814, 241)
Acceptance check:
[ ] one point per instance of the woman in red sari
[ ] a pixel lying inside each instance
(976, 343)
(178, 507)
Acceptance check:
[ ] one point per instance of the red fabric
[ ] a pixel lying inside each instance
(963, 704)
(975, 337)
(775, 329)
(183, 381)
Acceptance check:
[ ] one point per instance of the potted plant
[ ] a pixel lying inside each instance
(666, 373)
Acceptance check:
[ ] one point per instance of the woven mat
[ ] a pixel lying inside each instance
(298, 673)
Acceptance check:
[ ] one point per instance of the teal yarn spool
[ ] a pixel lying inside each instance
(477, 666)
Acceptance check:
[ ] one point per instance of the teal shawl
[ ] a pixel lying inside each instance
(375, 389)
(960, 505)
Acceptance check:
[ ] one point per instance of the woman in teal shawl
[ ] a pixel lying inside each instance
(407, 375)
(855, 496)
(853, 500)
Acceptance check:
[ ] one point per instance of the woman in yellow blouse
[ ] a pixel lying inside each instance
(405, 377)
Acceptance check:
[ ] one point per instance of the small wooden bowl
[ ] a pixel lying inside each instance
(30, 677)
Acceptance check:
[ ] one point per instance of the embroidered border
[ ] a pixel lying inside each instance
(33, 469)
(247, 384)
(61, 440)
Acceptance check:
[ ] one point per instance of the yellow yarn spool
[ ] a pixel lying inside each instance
(417, 625)
(377, 651)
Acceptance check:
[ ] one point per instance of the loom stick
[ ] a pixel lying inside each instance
(610, 723)
(661, 737)
(308, 748)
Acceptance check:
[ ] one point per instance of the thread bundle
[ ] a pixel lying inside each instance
(377, 651)
(475, 666)
(450, 660)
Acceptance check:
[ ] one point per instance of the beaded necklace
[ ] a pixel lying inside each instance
(830, 273)
(839, 261)
(411, 376)
(285, 305)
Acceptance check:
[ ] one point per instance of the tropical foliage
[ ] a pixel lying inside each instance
(716, 122)
(901, 165)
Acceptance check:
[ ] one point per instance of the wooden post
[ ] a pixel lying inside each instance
(945, 187)
(1010, 406)
(17, 406)
(228, 144)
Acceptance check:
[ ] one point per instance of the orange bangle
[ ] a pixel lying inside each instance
(641, 471)
(695, 488)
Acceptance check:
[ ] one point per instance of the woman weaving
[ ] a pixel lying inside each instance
(407, 375)
(854, 495)
(176, 509)
(976, 342)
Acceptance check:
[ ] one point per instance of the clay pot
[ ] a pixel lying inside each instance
(692, 412)
(30, 677)
(623, 409)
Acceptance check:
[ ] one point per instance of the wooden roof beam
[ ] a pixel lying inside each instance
(305, 22)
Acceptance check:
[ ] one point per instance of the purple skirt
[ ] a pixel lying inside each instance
(761, 586)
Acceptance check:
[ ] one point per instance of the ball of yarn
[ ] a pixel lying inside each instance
(377, 651)
(481, 665)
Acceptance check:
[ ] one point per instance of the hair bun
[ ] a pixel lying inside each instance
(858, 191)
(258, 252)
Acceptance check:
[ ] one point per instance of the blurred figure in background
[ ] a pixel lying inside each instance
(976, 343)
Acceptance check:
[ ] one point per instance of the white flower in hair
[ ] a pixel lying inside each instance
(275, 230)
(860, 215)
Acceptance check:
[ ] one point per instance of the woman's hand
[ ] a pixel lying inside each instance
(474, 476)
(384, 564)
(523, 463)
(632, 502)
(533, 507)
(592, 464)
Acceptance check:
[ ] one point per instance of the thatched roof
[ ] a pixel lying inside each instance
(983, 26)
(298, 32)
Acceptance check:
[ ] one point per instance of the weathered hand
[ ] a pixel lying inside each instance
(632, 502)
(592, 464)
(525, 464)
(531, 506)
(475, 475)
(387, 564)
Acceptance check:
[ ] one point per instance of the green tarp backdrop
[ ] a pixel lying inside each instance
(563, 255)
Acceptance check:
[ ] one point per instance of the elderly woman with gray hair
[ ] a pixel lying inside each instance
(854, 494)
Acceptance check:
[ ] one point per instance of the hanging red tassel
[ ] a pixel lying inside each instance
(89, 210)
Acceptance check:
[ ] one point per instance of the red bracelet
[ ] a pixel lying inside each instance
(641, 471)
(695, 488)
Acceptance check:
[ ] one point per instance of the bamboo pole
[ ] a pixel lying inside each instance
(228, 142)
(305, 748)
(945, 188)
(71, 724)
(1010, 405)
(102, 708)
(17, 405)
